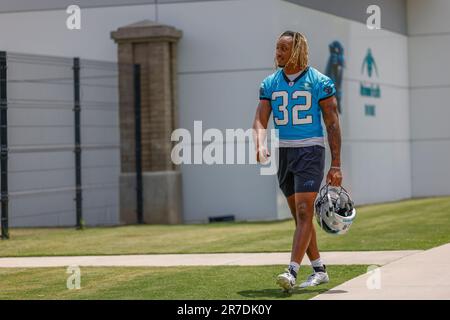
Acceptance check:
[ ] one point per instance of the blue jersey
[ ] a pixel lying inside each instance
(295, 105)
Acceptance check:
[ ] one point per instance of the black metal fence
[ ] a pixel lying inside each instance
(37, 161)
(137, 121)
(4, 146)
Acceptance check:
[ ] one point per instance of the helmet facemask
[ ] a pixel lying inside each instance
(334, 209)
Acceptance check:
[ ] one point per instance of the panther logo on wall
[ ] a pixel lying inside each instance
(335, 68)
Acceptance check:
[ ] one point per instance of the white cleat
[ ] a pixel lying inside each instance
(286, 281)
(315, 279)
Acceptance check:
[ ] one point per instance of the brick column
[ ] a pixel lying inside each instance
(154, 47)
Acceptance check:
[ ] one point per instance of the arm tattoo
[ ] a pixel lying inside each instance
(331, 119)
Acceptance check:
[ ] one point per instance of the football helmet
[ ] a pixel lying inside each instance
(334, 209)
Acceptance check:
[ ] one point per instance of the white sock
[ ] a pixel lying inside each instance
(317, 263)
(294, 266)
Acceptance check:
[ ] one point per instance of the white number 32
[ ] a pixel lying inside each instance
(284, 120)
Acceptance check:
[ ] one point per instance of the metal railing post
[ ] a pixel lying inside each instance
(77, 150)
(4, 146)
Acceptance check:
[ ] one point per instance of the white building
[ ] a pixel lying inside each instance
(395, 146)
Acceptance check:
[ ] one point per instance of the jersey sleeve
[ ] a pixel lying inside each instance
(326, 88)
(265, 90)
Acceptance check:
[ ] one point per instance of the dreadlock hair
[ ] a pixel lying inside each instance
(299, 56)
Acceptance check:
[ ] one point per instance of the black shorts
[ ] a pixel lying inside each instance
(301, 169)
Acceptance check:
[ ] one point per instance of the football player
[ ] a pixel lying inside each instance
(298, 96)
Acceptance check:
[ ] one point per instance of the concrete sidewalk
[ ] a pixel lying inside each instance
(237, 259)
(424, 275)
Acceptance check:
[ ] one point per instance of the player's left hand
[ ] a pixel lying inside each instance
(334, 177)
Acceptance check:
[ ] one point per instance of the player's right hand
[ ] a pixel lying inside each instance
(262, 156)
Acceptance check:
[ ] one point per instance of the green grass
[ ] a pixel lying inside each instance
(411, 224)
(224, 282)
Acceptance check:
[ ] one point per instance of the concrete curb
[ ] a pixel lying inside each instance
(236, 259)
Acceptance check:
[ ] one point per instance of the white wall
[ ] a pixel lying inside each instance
(225, 52)
(376, 150)
(45, 32)
(220, 67)
(429, 44)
